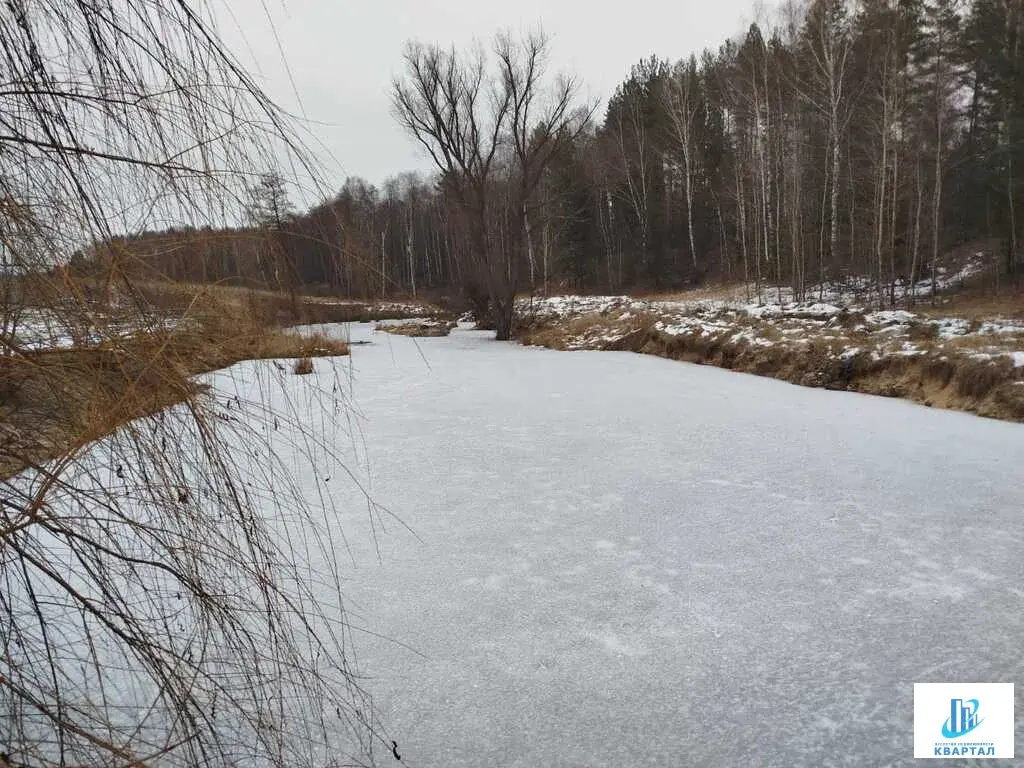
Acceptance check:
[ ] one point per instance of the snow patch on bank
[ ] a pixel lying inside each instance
(841, 331)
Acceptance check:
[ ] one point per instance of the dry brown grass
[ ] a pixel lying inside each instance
(56, 400)
(278, 307)
(983, 343)
(922, 332)
(978, 304)
(209, 353)
(987, 388)
(552, 336)
(562, 334)
(705, 293)
(969, 343)
(61, 400)
(770, 331)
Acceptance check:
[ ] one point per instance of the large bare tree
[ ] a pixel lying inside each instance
(491, 124)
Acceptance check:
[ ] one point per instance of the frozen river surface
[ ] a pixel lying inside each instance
(626, 561)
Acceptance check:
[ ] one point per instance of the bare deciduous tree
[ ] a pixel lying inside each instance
(490, 127)
(682, 105)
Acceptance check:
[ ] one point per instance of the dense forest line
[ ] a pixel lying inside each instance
(832, 140)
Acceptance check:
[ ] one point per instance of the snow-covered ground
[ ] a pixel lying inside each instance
(865, 290)
(620, 560)
(774, 301)
(48, 329)
(398, 308)
(847, 329)
(605, 559)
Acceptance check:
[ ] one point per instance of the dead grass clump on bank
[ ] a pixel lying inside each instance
(922, 331)
(977, 378)
(418, 328)
(597, 330)
(941, 370)
(990, 390)
(552, 336)
(770, 332)
(851, 319)
(979, 304)
(52, 400)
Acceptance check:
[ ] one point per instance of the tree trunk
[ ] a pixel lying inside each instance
(880, 192)
(834, 202)
(409, 253)
(937, 196)
(545, 250)
(919, 184)
(689, 209)
(529, 247)
(743, 229)
(383, 266)
(503, 315)
(1011, 241)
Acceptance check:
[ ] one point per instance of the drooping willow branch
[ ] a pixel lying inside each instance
(155, 593)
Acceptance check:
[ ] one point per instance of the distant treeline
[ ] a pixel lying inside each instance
(834, 139)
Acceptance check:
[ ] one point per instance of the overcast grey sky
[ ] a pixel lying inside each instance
(343, 54)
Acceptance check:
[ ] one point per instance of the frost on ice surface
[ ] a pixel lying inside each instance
(616, 560)
(607, 559)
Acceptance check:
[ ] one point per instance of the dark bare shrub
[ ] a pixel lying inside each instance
(922, 332)
(976, 378)
(851, 319)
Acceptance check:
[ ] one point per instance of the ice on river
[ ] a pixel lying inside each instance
(608, 559)
(621, 560)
